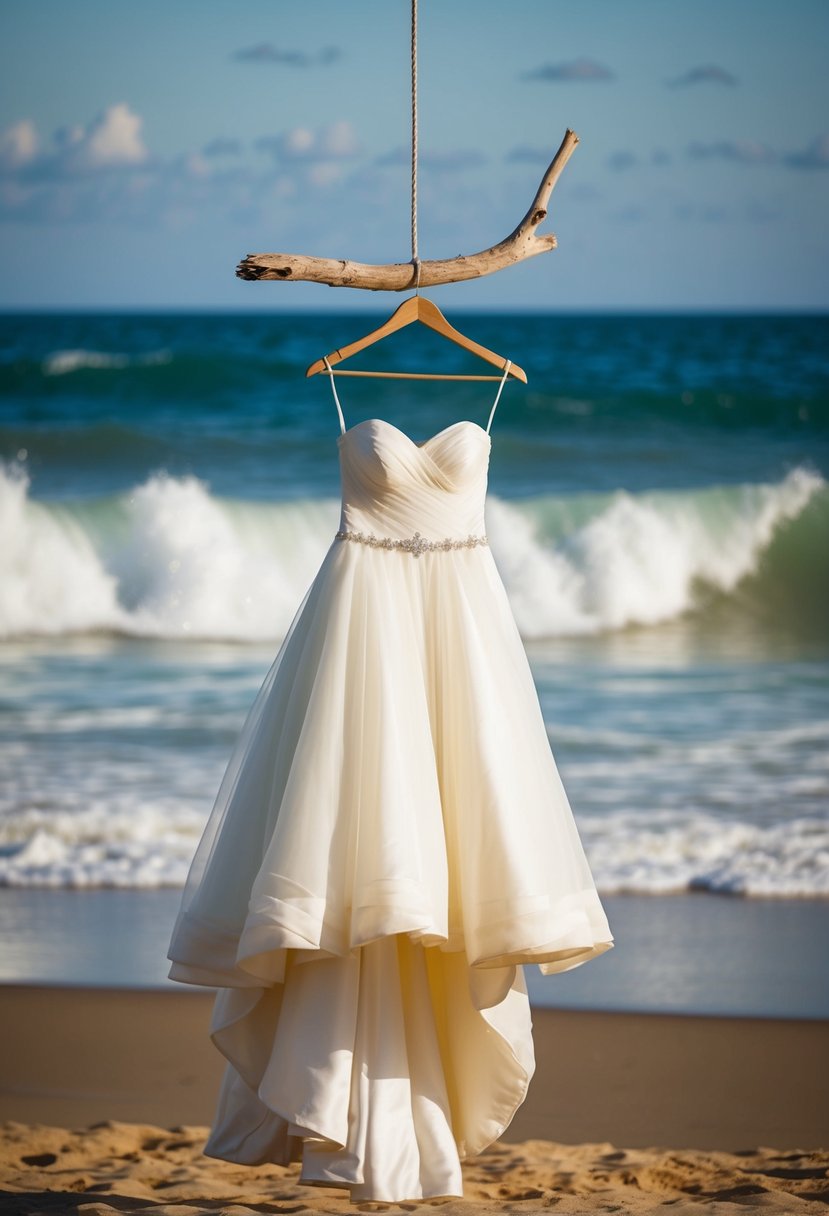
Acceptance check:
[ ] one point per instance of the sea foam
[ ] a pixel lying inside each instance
(129, 843)
(62, 362)
(170, 559)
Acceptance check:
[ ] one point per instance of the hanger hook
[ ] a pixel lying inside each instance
(416, 264)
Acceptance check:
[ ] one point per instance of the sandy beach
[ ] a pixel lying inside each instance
(513, 642)
(106, 1096)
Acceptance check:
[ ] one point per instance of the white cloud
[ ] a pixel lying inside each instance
(103, 170)
(325, 173)
(113, 138)
(438, 160)
(18, 144)
(743, 151)
(337, 141)
(86, 172)
(110, 141)
(195, 165)
(297, 143)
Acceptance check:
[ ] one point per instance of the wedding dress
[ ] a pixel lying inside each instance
(390, 842)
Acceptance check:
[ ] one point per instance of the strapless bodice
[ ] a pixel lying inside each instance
(394, 487)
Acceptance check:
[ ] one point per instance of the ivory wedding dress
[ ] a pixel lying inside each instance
(390, 842)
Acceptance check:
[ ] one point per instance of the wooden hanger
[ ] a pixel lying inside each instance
(416, 308)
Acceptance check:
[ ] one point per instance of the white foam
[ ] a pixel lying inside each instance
(665, 851)
(54, 581)
(638, 559)
(122, 844)
(62, 362)
(133, 843)
(169, 559)
(110, 784)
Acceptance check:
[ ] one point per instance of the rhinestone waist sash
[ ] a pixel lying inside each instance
(415, 544)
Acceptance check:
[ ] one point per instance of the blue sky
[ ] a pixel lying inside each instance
(146, 147)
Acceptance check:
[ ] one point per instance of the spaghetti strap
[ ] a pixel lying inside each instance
(334, 391)
(507, 366)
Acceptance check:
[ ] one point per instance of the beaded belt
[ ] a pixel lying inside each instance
(416, 544)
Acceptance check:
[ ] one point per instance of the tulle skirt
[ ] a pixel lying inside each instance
(390, 842)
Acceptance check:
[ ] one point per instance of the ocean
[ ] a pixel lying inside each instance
(658, 510)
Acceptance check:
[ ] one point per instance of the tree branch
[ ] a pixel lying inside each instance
(523, 242)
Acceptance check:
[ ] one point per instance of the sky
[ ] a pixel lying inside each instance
(146, 147)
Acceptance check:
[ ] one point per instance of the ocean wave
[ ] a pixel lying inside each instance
(170, 559)
(108, 845)
(62, 362)
(129, 844)
(593, 563)
(155, 376)
(659, 853)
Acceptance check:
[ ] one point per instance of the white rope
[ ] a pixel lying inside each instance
(415, 258)
(498, 395)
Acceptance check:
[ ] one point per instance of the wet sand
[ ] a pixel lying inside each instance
(626, 1112)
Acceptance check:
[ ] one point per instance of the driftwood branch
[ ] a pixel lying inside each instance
(523, 242)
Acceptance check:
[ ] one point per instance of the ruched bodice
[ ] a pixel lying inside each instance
(394, 487)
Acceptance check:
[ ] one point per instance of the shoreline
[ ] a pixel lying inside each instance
(686, 953)
(78, 1056)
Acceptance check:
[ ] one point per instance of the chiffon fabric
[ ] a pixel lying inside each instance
(390, 843)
